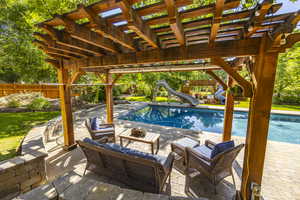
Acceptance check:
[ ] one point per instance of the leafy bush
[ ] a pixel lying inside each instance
(39, 104)
(287, 99)
(13, 104)
(288, 96)
(162, 93)
(117, 91)
(93, 94)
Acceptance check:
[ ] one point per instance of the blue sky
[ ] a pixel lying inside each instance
(288, 6)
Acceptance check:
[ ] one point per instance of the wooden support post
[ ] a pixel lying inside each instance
(228, 117)
(258, 120)
(109, 99)
(66, 107)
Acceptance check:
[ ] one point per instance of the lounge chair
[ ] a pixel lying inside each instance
(142, 171)
(98, 131)
(212, 160)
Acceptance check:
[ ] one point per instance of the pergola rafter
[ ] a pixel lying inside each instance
(216, 20)
(105, 29)
(131, 40)
(175, 21)
(136, 24)
(85, 35)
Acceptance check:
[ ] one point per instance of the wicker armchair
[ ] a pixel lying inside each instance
(135, 169)
(102, 131)
(215, 169)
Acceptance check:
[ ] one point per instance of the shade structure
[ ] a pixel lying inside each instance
(133, 36)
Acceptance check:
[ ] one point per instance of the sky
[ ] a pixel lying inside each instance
(288, 6)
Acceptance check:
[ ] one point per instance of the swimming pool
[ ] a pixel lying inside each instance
(283, 128)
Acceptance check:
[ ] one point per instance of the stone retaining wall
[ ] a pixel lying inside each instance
(27, 171)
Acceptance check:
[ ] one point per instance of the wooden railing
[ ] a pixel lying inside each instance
(48, 91)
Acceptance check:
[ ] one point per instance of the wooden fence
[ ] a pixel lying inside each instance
(48, 91)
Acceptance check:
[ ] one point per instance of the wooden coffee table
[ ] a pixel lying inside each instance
(150, 138)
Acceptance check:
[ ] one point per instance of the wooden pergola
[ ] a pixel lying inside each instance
(118, 37)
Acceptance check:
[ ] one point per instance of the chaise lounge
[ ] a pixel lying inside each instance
(141, 171)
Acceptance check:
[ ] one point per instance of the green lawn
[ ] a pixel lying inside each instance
(245, 104)
(13, 127)
(242, 104)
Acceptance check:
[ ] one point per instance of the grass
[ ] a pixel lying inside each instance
(14, 127)
(245, 104)
(242, 104)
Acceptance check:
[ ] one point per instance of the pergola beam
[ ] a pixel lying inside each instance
(136, 24)
(220, 81)
(258, 16)
(53, 47)
(247, 87)
(75, 76)
(175, 21)
(105, 29)
(63, 39)
(85, 35)
(54, 63)
(171, 68)
(225, 17)
(204, 10)
(246, 47)
(216, 20)
(118, 76)
(51, 52)
(160, 6)
(290, 23)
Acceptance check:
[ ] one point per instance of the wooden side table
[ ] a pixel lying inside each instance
(150, 138)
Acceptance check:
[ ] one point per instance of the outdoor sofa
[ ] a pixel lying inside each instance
(141, 171)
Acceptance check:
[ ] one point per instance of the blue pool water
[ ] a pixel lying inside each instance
(283, 128)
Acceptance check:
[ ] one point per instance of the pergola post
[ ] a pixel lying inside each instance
(66, 107)
(258, 121)
(228, 113)
(109, 98)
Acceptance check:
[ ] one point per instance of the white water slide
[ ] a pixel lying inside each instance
(184, 97)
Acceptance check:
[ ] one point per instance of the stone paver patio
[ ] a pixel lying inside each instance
(282, 167)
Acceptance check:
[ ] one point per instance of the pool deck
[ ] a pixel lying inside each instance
(281, 178)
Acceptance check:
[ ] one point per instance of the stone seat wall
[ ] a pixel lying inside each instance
(27, 171)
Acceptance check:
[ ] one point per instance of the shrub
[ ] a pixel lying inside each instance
(287, 99)
(39, 104)
(13, 104)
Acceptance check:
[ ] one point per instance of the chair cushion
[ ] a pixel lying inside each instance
(203, 150)
(94, 123)
(221, 147)
(186, 142)
(96, 126)
(128, 151)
